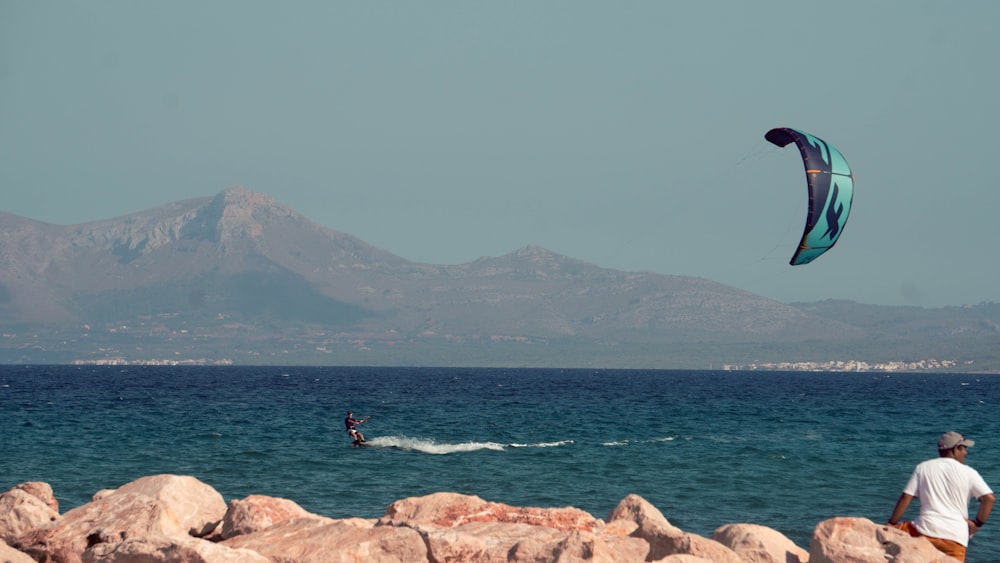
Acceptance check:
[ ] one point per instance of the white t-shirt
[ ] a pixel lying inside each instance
(944, 487)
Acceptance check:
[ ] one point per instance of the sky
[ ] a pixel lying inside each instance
(626, 134)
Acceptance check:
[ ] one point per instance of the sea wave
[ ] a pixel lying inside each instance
(431, 446)
(650, 441)
(544, 444)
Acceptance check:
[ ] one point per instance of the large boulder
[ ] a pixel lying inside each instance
(148, 520)
(10, 555)
(582, 546)
(759, 544)
(459, 527)
(501, 542)
(323, 540)
(859, 540)
(177, 549)
(111, 519)
(257, 512)
(664, 538)
(22, 509)
(639, 511)
(453, 509)
(198, 507)
(41, 490)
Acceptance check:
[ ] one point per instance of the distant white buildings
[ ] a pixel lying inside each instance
(847, 365)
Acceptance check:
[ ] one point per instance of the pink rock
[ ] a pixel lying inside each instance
(112, 519)
(101, 494)
(759, 544)
(198, 507)
(693, 544)
(179, 549)
(453, 509)
(21, 511)
(43, 491)
(663, 537)
(257, 512)
(859, 540)
(502, 542)
(620, 527)
(153, 520)
(634, 508)
(484, 541)
(323, 540)
(10, 555)
(584, 546)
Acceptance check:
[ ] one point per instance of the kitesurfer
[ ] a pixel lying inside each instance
(352, 428)
(944, 486)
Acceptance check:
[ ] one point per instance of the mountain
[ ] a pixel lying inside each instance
(240, 277)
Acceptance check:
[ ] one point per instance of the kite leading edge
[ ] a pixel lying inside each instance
(831, 191)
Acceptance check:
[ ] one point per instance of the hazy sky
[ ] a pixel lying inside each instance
(626, 134)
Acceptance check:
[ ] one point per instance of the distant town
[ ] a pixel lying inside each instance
(831, 366)
(850, 365)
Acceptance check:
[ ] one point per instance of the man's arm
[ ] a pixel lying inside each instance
(985, 507)
(901, 505)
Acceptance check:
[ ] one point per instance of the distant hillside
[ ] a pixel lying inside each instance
(243, 278)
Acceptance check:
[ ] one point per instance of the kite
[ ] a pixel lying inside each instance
(831, 190)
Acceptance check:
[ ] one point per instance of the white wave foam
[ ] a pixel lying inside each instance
(544, 444)
(430, 446)
(651, 441)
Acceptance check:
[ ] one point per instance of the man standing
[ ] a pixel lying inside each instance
(944, 486)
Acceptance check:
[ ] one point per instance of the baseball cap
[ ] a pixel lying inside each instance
(950, 440)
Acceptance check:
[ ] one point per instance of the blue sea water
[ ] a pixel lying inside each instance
(781, 449)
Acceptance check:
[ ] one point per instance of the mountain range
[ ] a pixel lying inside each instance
(241, 278)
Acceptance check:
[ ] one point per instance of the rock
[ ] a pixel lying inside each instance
(198, 507)
(859, 540)
(101, 494)
(634, 508)
(663, 537)
(484, 541)
(43, 491)
(501, 542)
(324, 540)
(111, 519)
(759, 544)
(10, 555)
(152, 549)
(257, 512)
(584, 546)
(459, 527)
(453, 509)
(21, 511)
(163, 518)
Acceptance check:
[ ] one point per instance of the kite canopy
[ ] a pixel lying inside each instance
(831, 190)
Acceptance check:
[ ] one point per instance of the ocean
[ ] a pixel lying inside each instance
(781, 449)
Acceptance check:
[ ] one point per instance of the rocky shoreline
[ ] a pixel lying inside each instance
(173, 518)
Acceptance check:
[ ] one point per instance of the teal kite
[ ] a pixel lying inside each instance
(831, 190)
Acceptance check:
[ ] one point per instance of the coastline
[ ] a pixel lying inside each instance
(179, 518)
